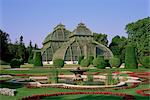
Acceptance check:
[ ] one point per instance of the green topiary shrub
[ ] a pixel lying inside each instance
(30, 59)
(99, 62)
(58, 63)
(90, 58)
(15, 63)
(80, 59)
(130, 57)
(85, 63)
(37, 59)
(145, 61)
(114, 62)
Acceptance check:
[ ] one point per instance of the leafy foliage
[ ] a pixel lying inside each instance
(80, 59)
(101, 38)
(130, 57)
(138, 33)
(146, 61)
(117, 46)
(85, 63)
(58, 63)
(15, 63)
(38, 59)
(99, 62)
(114, 62)
(90, 59)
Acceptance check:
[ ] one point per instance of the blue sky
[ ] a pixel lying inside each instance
(34, 19)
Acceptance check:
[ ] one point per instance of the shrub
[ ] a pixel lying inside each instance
(130, 57)
(114, 62)
(145, 61)
(15, 63)
(107, 63)
(58, 63)
(85, 63)
(55, 75)
(90, 58)
(80, 59)
(99, 62)
(30, 59)
(89, 78)
(37, 59)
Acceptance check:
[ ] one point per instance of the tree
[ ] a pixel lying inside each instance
(4, 41)
(90, 59)
(21, 49)
(145, 61)
(58, 63)
(37, 59)
(80, 59)
(114, 62)
(85, 63)
(130, 57)
(101, 38)
(99, 62)
(138, 34)
(117, 46)
(30, 53)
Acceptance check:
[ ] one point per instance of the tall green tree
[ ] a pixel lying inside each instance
(21, 49)
(117, 46)
(4, 42)
(139, 35)
(101, 38)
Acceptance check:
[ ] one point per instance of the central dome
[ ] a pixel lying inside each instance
(82, 30)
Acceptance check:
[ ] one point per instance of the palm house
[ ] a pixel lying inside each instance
(69, 46)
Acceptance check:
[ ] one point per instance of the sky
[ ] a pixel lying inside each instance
(34, 19)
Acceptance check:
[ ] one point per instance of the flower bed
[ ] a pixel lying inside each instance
(142, 92)
(37, 97)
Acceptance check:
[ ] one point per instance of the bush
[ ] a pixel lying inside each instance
(58, 63)
(15, 63)
(80, 59)
(30, 59)
(90, 58)
(130, 57)
(145, 61)
(37, 59)
(99, 62)
(89, 78)
(85, 63)
(114, 62)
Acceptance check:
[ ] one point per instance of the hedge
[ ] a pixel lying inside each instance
(58, 63)
(37, 59)
(99, 62)
(15, 63)
(85, 63)
(80, 59)
(130, 57)
(90, 58)
(114, 62)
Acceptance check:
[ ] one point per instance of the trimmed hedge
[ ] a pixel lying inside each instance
(80, 59)
(85, 63)
(99, 62)
(30, 59)
(37, 59)
(58, 63)
(145, 61)
(114, 62)
(15, 63)
(90, 58)
(130, 57)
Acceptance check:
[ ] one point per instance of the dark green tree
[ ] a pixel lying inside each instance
(130, 57)
(37, 59)
(4, 42)
(101, 38)
(114, 62)
(117, 46)
(138, 34)
(58, 63)
(99, 62)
